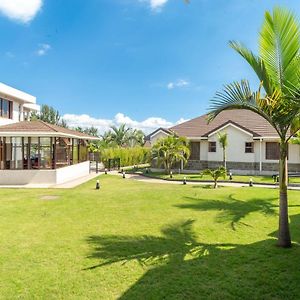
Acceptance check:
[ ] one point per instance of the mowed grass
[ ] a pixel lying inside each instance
(235, 178)
(134, 240)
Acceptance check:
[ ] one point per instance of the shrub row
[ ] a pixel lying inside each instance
(128, 156)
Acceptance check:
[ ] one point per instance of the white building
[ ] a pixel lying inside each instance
(253, 144)
(15, 105)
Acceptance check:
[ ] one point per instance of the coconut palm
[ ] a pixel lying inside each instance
(223, 141)
(215, 174)
(278, 97)
(170, 150)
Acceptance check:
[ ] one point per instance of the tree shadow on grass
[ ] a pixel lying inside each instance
(231, 209)
(182, 268)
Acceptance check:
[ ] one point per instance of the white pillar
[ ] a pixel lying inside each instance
(260, 155)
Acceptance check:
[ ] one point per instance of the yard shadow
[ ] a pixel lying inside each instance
(231, 209)
(179, 267)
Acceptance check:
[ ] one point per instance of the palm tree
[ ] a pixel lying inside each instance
(170, 150)
(120, 135)
(215, 174)
(223, 141)
(278, 97)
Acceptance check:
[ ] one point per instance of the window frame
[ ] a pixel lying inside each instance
(249, 148)
(212, 147)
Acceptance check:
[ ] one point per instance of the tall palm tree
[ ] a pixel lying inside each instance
(170, 150)
(277, 99)
(223, 141)
(120, 135)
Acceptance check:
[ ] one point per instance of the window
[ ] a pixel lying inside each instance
(195, 151)
(212, 146)
(249, 147)
(6, 109)
(272, 150)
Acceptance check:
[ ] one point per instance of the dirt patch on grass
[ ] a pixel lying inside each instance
(49, 197)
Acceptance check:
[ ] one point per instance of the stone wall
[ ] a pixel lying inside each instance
(247, 166)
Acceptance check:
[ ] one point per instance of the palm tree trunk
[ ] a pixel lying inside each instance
(224, 157)
(215, 183)
(284, 238)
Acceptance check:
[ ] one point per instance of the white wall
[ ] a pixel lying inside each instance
(49, 177)
(72, 172)
(157, 136)
(236, 146)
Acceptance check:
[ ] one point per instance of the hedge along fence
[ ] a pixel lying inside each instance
(128, 156)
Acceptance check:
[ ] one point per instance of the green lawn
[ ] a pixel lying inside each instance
(236, 178)
(134, 240)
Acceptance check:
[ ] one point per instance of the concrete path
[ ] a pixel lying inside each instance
(142, 178)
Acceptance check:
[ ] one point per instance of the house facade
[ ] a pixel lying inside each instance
(253, 144)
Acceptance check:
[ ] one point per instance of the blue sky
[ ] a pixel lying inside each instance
(148, 63)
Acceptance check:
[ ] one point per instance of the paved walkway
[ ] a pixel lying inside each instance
(142, 178)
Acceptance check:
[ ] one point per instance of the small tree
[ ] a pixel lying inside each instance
(170, 150)
(223, 141)
(215, 174)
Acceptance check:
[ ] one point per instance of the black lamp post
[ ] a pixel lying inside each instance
(184, 180)
(105, 171)
(251, 182)
(124, 175)
(171, 174)
(230, 176)
(97, 185)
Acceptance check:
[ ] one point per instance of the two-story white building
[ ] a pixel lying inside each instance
(253, 144)
(15, 105)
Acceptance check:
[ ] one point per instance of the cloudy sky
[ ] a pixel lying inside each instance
(148, 63)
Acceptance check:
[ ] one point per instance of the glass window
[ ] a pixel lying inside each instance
(75, 151)
(212, 146)
(83, 151)
(45, 153)
(34, 153)
(62, 152)
(14, 153)
(249, 147)
(6, 108)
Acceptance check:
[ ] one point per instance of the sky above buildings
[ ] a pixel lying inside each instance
(148, 63)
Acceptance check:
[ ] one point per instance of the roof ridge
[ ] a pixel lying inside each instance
(48, 125)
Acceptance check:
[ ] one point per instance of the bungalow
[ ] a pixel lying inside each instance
(35, 152)
(253, 144)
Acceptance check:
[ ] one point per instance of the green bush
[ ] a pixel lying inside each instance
(128, 156)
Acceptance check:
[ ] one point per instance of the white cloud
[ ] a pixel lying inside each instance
(155, 5)
(148, 125)
(179, 83)
(43, 49)
(20, 10)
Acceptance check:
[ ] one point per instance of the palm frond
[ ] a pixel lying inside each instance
(279, 47)
(256, 63)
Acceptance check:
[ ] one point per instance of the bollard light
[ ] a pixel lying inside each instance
(230, 176)
(97, 185)
(171, 174)
(105, 171)
(251, 182)
(147, 170)
(124, 175)
(184, 180)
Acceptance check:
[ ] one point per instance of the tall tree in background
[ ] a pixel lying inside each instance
(277, 99)
(50, 115)
(223, 141)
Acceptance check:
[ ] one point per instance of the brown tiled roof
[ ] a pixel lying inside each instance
(42, 127)
(245, 119)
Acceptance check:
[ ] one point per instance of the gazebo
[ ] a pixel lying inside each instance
(38, 152)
